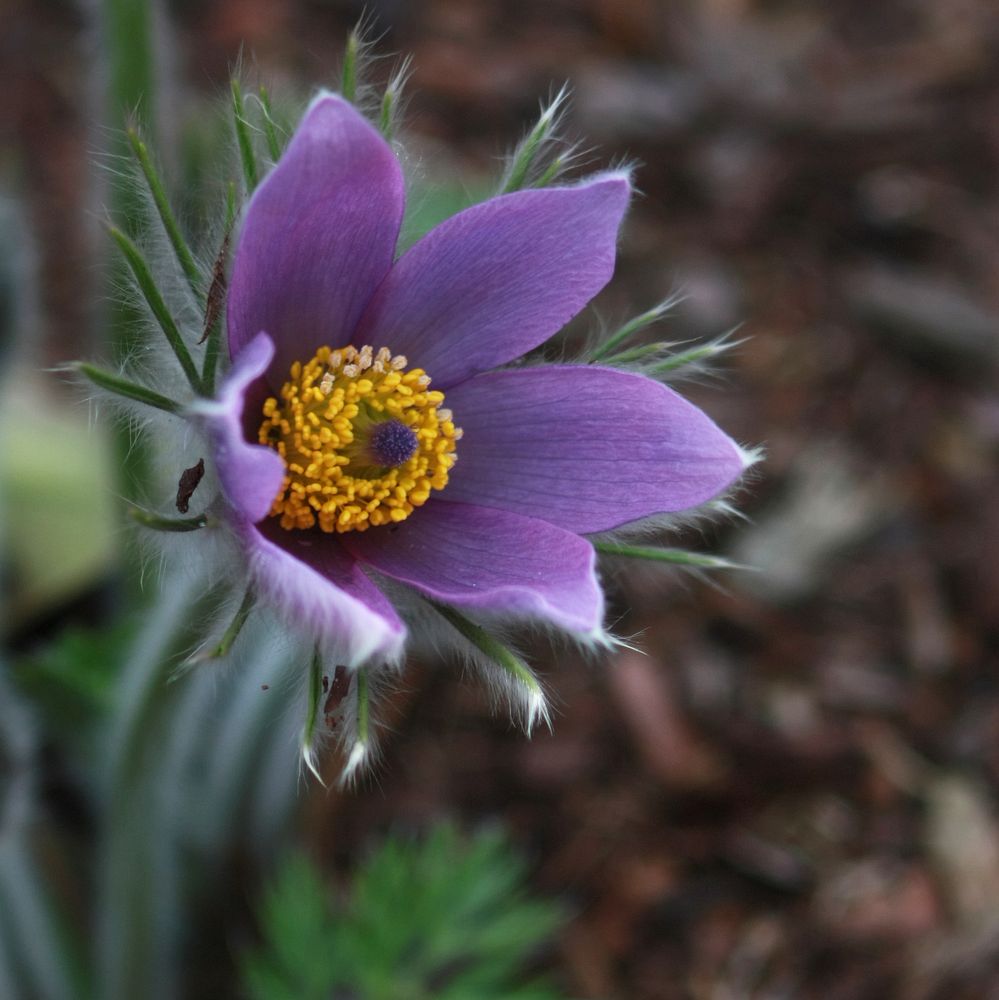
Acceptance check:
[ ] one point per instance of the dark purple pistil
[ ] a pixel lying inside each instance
(392, 443)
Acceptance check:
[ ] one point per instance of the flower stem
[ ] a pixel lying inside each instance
(679, 557)
(247, 157)
(236, 625)
(123, 387)
(178, 524)
(183, 253)
(157, 306)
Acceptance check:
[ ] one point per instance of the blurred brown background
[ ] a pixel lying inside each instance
(794, 793)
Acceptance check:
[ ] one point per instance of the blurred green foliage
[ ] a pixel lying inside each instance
(447, 917)
(71, 682)
(56, 480)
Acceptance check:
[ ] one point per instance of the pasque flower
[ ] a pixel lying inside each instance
(372, 430)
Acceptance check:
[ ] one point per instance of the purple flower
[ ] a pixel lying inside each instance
(367, 434)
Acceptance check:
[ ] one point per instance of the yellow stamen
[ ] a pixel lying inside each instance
(325, 428)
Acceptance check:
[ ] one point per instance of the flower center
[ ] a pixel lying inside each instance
(364, 440)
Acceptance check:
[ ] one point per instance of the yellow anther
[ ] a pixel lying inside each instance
(360, 450)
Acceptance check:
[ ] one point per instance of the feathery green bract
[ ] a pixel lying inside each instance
(231, 633)
(679, 557)
(640, 353)
(553, 170)
(694, 356)
(445, 918)
(529, 157)
(270, 127)
(154, 299)
(170, 524)
(123, 387)
(386, 114)
(491, 647)
(312, 710)
(247, 157)
(180, 248)
(391, 99)
(348, 81)
(657, 312)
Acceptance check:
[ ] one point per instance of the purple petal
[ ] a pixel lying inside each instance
(498, 279)
(585, 448)
(321, 590)
(251, 474)
(491, 560)
(319, 235)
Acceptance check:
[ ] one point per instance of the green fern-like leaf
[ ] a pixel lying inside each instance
(445, 918)
(300, 961)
